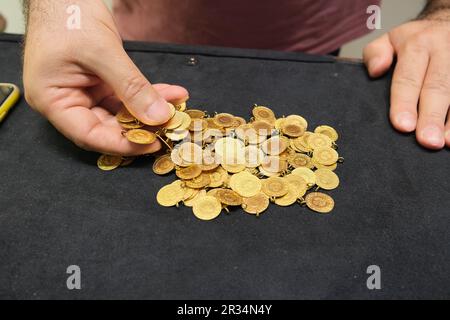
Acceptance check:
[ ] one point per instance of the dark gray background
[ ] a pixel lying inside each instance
(392, 209)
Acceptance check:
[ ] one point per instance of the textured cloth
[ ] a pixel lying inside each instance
(314, 26)
(392, 208)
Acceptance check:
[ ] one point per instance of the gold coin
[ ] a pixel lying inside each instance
(229, 197)
(189, 173)
(126, 161)
(263, 113)
(207, 208)
(275, 145)
(140, 136)
(185, 123)
(256, 204)
(326, 179)
(212, 124)
(234, 168)
(191, 152)
(292, 129)
(176, 121)
(229, 149)
(262, 128)
(274, 164)
(108, 163)
(253, 156)
(175, 157)
(181, 107)
(170, 195)
(189, 193)
(321, 166)
(124, 116)
(196, 114)
(177, 135)
(275, 187)
(199, 182)
(301, 143)
(198, 125)
(319, 202)
(318, 140)
(325, 156)
(172, 110)
(298, 182)
(266, 173)
(218, 177)
(238, 121)
(163, 165)
(132, 125)
(199, 194)
(328, 131)
(224, 120)
(279, 123)
(298, 160)
(297, 119)
(245, 184)
(289, 198)
(306, 174)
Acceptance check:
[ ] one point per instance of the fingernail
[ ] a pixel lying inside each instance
(407, 121)
(159, 111)
(447, 135)
(433, 135)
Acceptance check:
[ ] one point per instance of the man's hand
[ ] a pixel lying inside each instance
(420, 92)
(80, 78)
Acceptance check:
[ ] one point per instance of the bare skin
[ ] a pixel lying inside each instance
(420, 92)
(79, 79)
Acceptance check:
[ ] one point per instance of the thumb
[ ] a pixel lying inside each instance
(378, 56)
(130, 86)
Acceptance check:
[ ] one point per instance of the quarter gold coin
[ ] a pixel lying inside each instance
(176, 121)
(124, 116)
(298, 160)
(108, 163)
(263, 113)
(199, 194)
(224, 120)
(256, 204)
(275, 187)
(326, 179)
(189, 173)
(245, 184)
(199, 182)
(298, 182)
(196, 114)
(275, 145)
(306, 174)
(207, 208)
(318, 140)
(292, 129)
(289, 198)
(177, 135)
(319, 202)
(163, 165)
(328, 131)
(325, 156)
(170, 195)
(140, 136)
(229, 197)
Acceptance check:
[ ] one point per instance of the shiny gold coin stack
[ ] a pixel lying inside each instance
(223, 161)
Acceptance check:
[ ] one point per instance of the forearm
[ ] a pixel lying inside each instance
(436, 10)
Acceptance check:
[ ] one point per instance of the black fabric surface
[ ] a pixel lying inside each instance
(392, 208)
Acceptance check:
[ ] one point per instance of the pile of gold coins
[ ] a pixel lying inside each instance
(223, 161)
